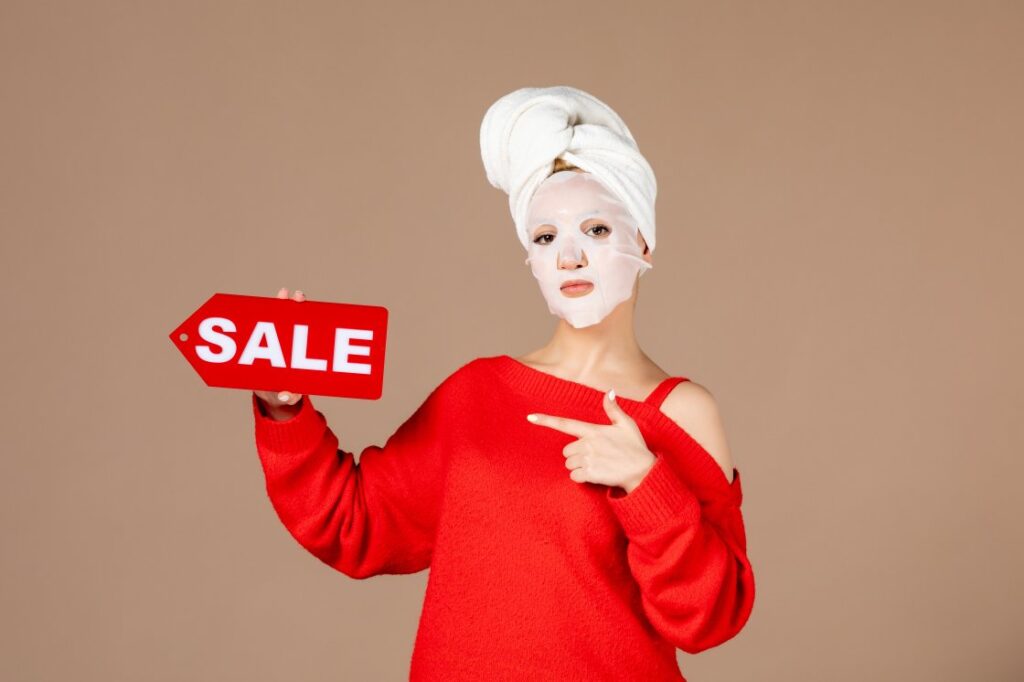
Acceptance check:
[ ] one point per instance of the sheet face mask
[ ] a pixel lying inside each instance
(568, 206)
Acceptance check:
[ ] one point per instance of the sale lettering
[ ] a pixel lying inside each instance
(264, 344)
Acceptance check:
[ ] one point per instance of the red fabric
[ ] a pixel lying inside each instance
(532, 575)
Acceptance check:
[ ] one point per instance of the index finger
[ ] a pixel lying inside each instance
(573, 427)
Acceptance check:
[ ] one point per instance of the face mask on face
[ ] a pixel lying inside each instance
(580, 231)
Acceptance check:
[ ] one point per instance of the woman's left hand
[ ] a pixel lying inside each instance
(611, 454)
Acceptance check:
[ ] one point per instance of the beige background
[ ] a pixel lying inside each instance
(839, 224)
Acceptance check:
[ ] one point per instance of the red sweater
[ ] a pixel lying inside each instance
(532, 575)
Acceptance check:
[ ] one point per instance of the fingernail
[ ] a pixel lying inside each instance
(611, 394)
(283, 397)
(531, 417)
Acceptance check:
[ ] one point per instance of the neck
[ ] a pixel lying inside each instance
(609, 344)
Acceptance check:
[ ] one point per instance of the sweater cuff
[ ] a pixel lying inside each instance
(660, 498)
(299, 433)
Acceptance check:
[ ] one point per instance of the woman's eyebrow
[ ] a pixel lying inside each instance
(587, 216)
(547, 222)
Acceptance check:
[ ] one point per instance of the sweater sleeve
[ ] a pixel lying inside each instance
(688, 557)
(373, 517)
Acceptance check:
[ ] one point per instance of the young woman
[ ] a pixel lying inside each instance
(577, 507)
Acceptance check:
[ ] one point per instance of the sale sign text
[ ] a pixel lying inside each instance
(273, 344)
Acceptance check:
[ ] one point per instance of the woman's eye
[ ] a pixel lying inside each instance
(538, 239)
(602, 227)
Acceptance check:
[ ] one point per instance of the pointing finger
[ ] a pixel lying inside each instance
(573, 427)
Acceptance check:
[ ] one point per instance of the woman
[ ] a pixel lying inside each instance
(577, 507)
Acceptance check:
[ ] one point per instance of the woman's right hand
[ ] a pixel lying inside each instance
(282, 403)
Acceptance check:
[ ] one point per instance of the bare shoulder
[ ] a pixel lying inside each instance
(695, 410)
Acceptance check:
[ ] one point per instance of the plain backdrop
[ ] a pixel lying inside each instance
(839, 238)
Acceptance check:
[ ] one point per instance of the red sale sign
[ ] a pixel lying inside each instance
(262, 343)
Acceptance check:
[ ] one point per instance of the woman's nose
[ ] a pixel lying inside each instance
(570, 263)
(571, 260)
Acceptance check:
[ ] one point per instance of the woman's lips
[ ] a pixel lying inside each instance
(577, 287)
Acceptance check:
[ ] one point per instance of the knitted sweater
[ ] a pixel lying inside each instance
(532, 575)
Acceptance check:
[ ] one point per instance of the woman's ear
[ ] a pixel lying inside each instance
(642, 242)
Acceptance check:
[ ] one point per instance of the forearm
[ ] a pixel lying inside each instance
(362, 519)
(698, 592)
(689, 558)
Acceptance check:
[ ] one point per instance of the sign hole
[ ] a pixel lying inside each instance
(183, 336)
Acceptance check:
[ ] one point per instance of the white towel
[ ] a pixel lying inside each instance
(526, 130)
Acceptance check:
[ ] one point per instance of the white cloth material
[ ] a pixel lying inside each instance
(581, 233)
(523, 132)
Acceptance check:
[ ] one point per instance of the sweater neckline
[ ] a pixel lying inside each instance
(540, 383)
(544, 385)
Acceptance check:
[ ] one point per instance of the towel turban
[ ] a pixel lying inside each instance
(526, 130)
